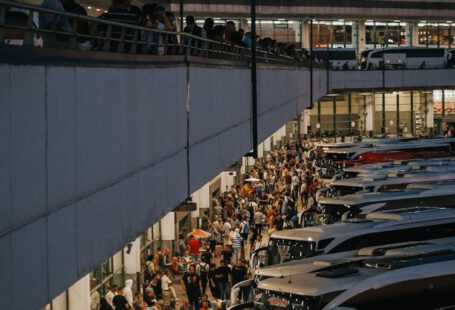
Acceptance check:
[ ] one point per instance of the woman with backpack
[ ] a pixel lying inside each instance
(202, 270)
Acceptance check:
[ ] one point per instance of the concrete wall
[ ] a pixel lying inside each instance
(92, 156)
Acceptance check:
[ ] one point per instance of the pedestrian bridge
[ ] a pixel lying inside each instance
(98, 146)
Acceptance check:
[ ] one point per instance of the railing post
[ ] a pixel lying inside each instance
(121, 45)
(73, 41)
(133, 47)
(107, 41)
(188, 46)
(28, 36)
(2, 24)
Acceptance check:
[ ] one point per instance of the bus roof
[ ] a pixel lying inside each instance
(347, 228)
(377, 270)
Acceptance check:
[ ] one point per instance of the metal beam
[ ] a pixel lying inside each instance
(254, 99)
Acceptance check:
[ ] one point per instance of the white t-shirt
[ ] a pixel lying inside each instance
(165, 282)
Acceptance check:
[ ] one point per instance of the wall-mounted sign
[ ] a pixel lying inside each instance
(449, 101)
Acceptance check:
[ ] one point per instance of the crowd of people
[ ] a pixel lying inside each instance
(275, 191)
(151, 16)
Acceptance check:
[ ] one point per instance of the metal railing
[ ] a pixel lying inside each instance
(19, 26)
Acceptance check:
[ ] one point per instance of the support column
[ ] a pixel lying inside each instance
(350, 113)
(369, 115)
(306, 33)
(412, 120)
(319, 118)
(398, 114)
(383, 131)
(79, 294)
(306, 121)
(133, 258)
(267, 144)
(412, 34)
(334, 116)
(429, 113)
(60, 302)
(168, 228)
(358, 36)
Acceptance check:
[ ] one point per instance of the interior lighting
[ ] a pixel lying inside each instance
(89, 7)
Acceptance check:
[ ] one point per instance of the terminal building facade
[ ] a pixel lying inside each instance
(358, 24)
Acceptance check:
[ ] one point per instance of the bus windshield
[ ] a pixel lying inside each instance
(270, 300)
(342, 190)
(284, 250)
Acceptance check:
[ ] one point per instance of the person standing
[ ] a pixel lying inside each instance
(111, 292)
(202, 270)
(239, 272)
(166, 289)
(120, 302)
(193, 246)
(237, 244)
(222, 277)
(128, 292)
(193, 286)
(139, 303)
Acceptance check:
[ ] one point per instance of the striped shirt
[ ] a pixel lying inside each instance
(237, 241)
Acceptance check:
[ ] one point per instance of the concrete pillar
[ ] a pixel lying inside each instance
(305, 122)
(369, 117)
(227, 180)
(412, 33)
(118, 262)
(79, 294)
(306, 34)
(359, 35)
(267, 145)
(59, 302)
(261, 150)
(168, 227)
(133, 258)
(429, 113)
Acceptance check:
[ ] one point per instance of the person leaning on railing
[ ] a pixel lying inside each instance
(155, 17)
(56, 23)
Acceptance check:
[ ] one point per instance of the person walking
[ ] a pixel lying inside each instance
(202, 270)
(237, 244)
(128, 292)
(222, 276)
(193, 286)
(166, 289)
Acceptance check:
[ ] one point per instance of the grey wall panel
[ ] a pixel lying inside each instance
(62, 249)
(29, 266)
(176, 181)
(28, 131)
(227, 102)
(103, 224)
(204, 162)
(152, 195)
(98, 117)
(5, 147)
(6, 278)
(61, 118)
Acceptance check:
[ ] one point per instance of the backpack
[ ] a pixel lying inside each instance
(204, 269)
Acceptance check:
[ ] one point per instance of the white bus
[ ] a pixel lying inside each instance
(407, 281)
(339, 58)
(378, 228)
(380, 182)
(404, 58)
(331, 210)
(244, 291)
